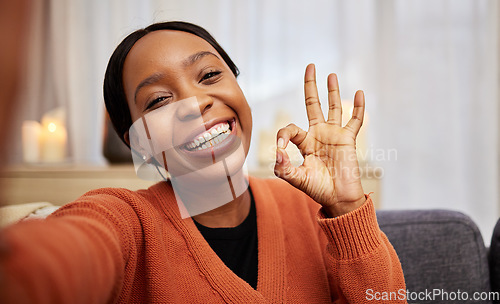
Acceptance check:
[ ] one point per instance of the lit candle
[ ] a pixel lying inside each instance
(31, 131)
(53, 140)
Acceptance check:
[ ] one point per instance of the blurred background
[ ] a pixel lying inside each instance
(429, 69)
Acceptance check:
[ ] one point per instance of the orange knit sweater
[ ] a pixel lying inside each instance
(121, 246)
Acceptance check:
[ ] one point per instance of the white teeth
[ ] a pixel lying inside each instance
(210, 138)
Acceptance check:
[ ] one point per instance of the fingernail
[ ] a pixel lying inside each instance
(281, 143)
(279, 158)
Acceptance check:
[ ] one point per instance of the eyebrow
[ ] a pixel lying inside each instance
(158, 76)
(148, 81)
(197, 56)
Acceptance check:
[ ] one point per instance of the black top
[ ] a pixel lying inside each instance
(237, 246)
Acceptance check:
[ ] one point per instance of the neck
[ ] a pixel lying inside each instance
(229, 215)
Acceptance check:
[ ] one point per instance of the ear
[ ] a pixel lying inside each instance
(136, 149)
(126, 138)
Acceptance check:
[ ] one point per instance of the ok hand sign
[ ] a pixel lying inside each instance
(330, 172)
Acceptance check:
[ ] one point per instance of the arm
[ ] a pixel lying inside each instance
(363, 266)
(77, 255)
(360, 256)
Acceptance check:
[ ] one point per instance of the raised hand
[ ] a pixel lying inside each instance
(330, 172)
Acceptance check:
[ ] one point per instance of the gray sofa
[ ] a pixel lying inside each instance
(494, 260)
(442, 253)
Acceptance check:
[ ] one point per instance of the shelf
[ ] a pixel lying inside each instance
(62, 184)
(65, 183)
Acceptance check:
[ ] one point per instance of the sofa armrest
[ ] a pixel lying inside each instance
(438, 249)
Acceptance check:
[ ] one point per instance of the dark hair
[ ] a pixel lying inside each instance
(114, 93)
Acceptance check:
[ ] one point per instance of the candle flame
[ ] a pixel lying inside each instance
(52, 127)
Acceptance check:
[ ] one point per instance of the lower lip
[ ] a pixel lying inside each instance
(229, 144)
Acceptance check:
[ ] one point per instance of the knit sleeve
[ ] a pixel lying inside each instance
(77, 255)
(362, 264)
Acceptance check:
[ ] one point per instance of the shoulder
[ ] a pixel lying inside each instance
(126, 195)
(117, 201)
(123, 211)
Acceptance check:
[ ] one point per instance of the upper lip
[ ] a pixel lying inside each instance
(203, 128)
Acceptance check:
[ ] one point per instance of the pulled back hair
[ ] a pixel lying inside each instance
(114, 92)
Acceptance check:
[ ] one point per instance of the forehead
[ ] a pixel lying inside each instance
(162, 49)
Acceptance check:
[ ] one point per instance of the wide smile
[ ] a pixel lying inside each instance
(217, 140)
(210, 138)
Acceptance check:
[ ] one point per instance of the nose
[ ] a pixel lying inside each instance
(193, 107)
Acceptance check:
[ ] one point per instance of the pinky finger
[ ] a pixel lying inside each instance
(356, 121)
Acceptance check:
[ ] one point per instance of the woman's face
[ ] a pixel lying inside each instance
(190, 100)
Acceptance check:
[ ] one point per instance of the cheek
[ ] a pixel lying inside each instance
(244, 112)
(134, 113)
(241, 106)
(248, 119)
(245, 117)
(152, 132)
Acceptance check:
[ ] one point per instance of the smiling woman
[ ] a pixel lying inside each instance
(113, 86)
(209, 233)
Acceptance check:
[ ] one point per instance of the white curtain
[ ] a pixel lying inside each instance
(429, 70)
(70, 44)
(437, 102)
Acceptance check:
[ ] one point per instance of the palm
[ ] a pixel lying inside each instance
(330, 171)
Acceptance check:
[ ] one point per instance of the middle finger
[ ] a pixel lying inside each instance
(313, 106)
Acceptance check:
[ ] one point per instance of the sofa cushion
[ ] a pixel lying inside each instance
(440, 251)
(12, 213)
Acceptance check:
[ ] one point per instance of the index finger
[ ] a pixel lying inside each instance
(313, 106)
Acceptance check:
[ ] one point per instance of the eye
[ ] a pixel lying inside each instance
(156, 102)
(212, 76)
